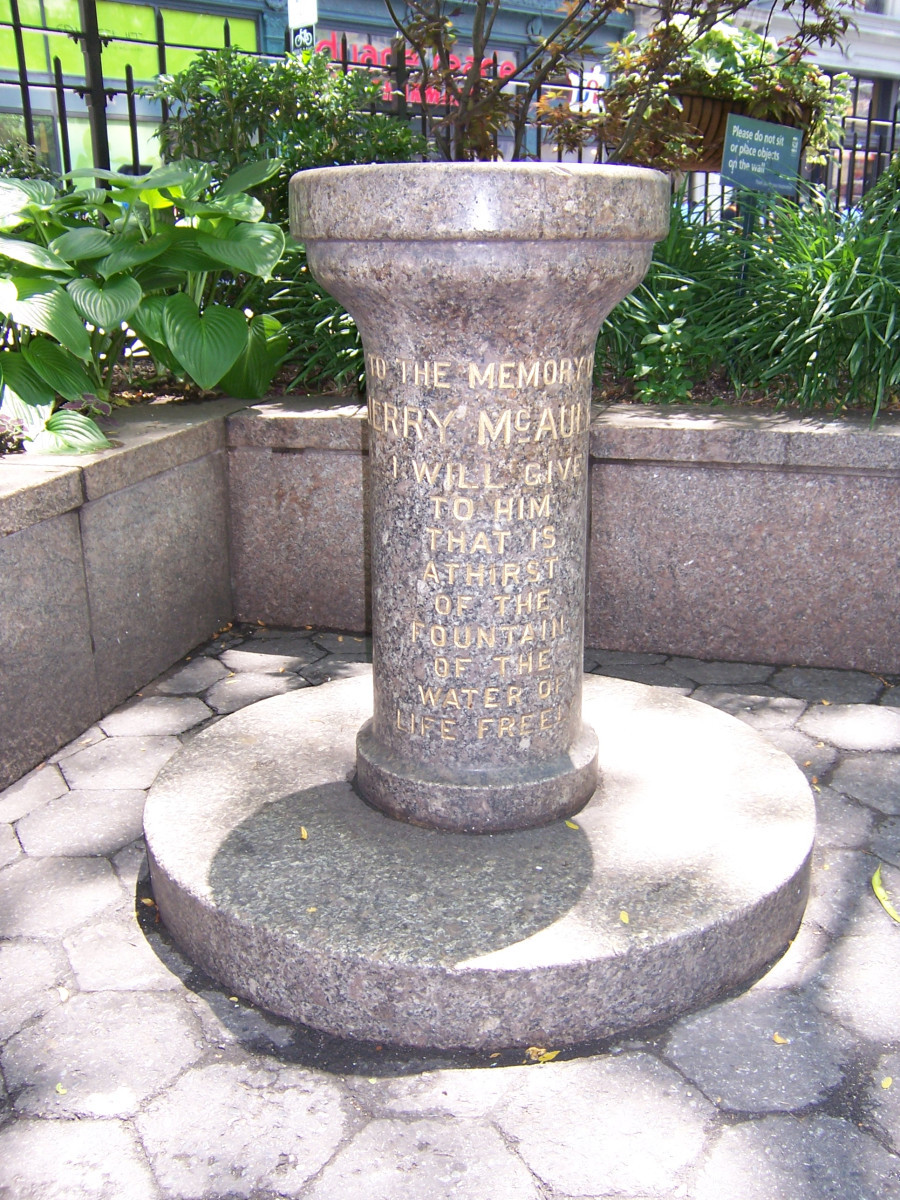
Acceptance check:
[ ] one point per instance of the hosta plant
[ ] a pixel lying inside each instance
(164, 261)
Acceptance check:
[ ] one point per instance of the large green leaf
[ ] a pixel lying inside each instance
(185, 254)
(83, 243)
(50, 310)
(205, 346)
(147, 323)
(83, 200)
(70, 431)
(39, 191)
(13, 200)
(60, 369)
(249, 176)
(34, 256)
(107, 304)
(239, 207)
(251, 375)
(253, 249)
(19, 378)
(128, 252)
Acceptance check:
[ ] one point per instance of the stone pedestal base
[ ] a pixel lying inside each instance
(491, 802)
(683, 877)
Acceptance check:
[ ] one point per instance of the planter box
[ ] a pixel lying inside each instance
(747, 537)
(714, 534)
(112, 566)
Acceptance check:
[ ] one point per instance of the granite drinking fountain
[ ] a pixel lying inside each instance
(487, 848)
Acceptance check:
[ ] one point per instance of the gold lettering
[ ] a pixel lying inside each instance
(488, 431)
(479, 379)
(528, 377)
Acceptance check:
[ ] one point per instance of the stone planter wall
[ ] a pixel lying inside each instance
(112, 566)
(715, 535)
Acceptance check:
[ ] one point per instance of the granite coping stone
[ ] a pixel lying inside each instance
(35, 489)
(292, 423)
(147, 439)
(736, 437)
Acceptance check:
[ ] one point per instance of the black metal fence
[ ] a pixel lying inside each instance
(89, 110)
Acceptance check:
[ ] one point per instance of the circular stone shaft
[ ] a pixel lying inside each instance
(478, 290)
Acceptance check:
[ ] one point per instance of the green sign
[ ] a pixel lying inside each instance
(761, 156)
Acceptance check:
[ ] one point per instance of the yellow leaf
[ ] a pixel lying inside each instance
(548, 1056)
(149, 903)
(312, 908)
(62, 1091)
(886, 1082)
(533, 1053)
(779, 1040)
(883, 898)
(624, 917)
(825, 702)
(303, 834)
(496, 1054)
(572, 825)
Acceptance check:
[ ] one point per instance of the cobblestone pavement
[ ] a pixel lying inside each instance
(128, 1074)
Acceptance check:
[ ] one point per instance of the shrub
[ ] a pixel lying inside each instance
(228, 108)
(166, 256)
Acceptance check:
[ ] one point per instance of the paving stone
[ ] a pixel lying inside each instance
(251, 1130)
(49, 896)
(801, 962)
(625, 658)
(791, 1158)
(335, 666)
(857, 984)
(840, 687)
(227, 1021)
(114, 956)
(101, 1054)
(731, 1053)
(131, 864)
(239, 690)
(654, 676)
(271, 657)
(471, 1094)
(426, 1160)
(854, 726)
(607, 1125)
(31, 974)
(871, 778)
(883, 1098)
(119, 763)
(83, 823)
(885, 842)
(90, 737)
(10, 848)
(720, 672)
(73, 1160)
(839, 887)
(155, 716)
(191, 678)
(839, 821)
(348, 645)
(759, 706)
(814, 758)
(38, 787)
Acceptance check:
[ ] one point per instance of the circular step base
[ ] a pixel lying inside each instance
(681, 879)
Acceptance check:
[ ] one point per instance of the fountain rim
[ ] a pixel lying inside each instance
(480, 202)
